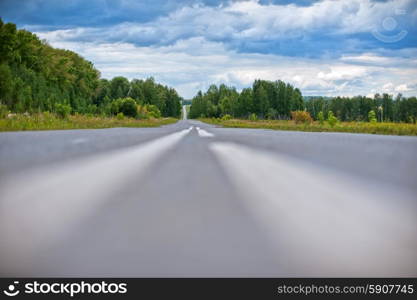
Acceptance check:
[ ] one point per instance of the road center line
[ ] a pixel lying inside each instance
(203, 133)
(78, 141)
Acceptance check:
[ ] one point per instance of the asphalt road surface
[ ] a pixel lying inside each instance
(190, 199)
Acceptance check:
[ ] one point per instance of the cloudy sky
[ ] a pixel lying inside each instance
(326, 47)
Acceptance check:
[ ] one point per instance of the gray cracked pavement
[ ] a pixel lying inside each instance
(190, 199)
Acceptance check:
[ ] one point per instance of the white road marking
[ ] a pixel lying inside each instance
(78, 141)
(41, 205)
(203, 133)
(323, 222)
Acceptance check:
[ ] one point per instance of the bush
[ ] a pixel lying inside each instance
(301, 116)
(128, 107)
(115, 106)
(153, 111)
(253, 117)
(148, 111)
(142, 112)
(62, 110)
(271, 114)
(92, 109)
(120, 116)
(226, 117)
(372, 116)
(3, 111)
(331, 119)
(320, 117)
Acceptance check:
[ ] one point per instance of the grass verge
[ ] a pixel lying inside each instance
(353, 127)
(48, 121)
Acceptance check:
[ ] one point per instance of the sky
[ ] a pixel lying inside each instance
(327, 47)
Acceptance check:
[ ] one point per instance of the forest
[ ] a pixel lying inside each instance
(35, 77)
(266, 99)
(276, 100)
(385, 108)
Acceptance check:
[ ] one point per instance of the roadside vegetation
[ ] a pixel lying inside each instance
(317, 126)
(278, 105)
(41, 85)
(51, 121)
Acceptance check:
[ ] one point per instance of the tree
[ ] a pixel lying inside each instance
(272, 114)
(320, 118)
(6, 85)
(388, 107)
(372, 116)
(260, 98)
(62, 110)
(244, 104)
(36, 77)
(226, 106)
(119, 87)
(198, 106)
(128, 107)
(331, 119)
(297, 100)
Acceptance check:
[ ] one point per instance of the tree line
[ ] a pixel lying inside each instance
(110, 94)
(384, 107)
(277, 99)
(35, 77)
(265, 99)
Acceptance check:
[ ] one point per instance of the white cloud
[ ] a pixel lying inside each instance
(193, 47)
(402, 88)
(388, 87)
(343, 72)
(400, 58)
(195, 63)
(391, 88)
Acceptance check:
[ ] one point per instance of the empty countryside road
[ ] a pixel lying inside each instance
(190, 199)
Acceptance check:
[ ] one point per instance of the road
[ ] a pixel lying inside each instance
(191, 199)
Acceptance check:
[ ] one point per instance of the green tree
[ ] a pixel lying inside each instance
(128, 107)
(297, 100)
(320, 118)
(388, 108)
(226, 106)
(119, 87)
(153, 111)
(244, 104)
(372, 116)
(331, 119)
(260, 98)
(62, 110)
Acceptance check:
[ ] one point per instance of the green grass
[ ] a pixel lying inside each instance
(48, 121)
(353, 127)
